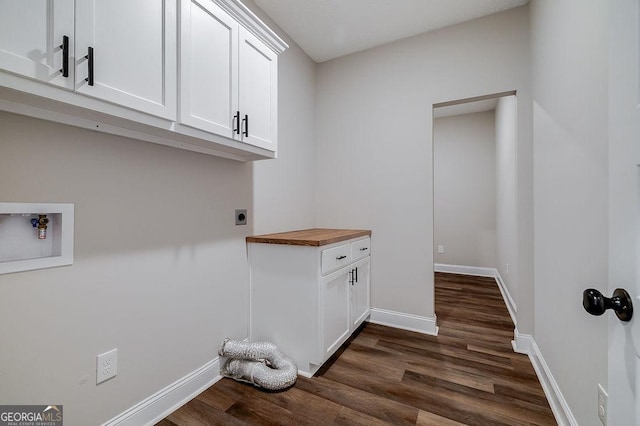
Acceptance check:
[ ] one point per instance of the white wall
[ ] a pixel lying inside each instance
(506, 192)
(464, 179)
(159, 273)
(569, 42)
(160, 269)
(374, 136)
(284, 189)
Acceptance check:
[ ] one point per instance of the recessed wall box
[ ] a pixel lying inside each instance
(22, 247)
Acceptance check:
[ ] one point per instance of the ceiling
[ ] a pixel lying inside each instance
(327, 29)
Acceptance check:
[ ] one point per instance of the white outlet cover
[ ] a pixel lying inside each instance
(106, 366)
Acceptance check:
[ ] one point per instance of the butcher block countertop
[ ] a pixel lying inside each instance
(310, 237)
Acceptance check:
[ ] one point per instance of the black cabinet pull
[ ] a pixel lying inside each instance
(341, 257)
(356, 278)
(245, 122)
(89, 56)
(236, 123)
(364, 249)
(65, 56)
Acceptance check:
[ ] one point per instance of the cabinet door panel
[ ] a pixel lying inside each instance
(335, 311)
(134, 44)
(258, 91)
(360, 299)
(31, 35)
(208, 67)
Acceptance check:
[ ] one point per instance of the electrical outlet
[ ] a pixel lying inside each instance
(441, 249)
(602, 405)
(241, 216)
(106, 366)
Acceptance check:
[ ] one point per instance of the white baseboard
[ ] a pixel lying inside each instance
(404, 321)
(508, 300)
(169, 399)
(479, 271)
(525, 344)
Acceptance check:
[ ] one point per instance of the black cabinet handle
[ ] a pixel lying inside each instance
(245, 122)
(236, 123)
(65, 56)
(341, 257)
(89, 56)
(356, 279)
(596, 304)
(364, 249)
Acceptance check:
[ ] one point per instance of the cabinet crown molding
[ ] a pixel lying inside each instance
(250, 21)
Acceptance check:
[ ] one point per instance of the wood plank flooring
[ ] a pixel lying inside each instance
(468, 374)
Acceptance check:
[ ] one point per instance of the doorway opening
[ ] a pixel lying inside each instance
(475, 189)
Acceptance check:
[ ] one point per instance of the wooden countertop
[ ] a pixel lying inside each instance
(310, 237)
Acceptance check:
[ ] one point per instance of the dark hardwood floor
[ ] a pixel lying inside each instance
(468, 374)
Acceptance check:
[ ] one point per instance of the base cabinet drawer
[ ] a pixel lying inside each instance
(335, 258)
(361, 249)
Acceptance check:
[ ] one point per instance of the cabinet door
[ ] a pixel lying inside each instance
(335, 311)
(31, 38)
(134, 53)
(258, 84)
(208, 68)
(360, 293)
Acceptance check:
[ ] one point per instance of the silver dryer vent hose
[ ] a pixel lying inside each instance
(260, 363)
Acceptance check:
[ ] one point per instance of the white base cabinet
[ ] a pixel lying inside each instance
(308, 300)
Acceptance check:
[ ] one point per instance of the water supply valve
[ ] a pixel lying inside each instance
(41, 223)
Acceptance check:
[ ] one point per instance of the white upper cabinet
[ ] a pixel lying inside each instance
(228, 77)
(32, 35)
(208, 67)
(118, 66)
(126, 53)
(258, 86)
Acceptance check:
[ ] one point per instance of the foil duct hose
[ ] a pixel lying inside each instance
(259, 363)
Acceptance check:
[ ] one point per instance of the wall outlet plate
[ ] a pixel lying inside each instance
(241, 216)
(106, 366)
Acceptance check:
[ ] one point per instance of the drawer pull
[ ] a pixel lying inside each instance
(341, 257)
(364, 248)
